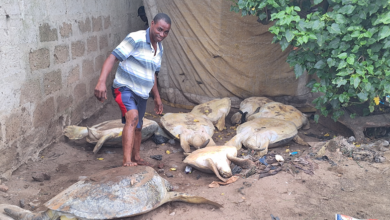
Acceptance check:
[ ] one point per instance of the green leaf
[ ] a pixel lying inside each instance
(334, 29)
(371, 108)
(289, 35)
(335, 43)
(348, 9)
(320, 39)
(298, 69)
(331, 62)
(316, 2)
(316, 117)
(340, 19)
(355, 80)
(342, 64)
(284, 43)
(384, 32)
(342, 56)
(387, 44)
(340, 81)
(320, 64)
(350, 60)
(362, 96)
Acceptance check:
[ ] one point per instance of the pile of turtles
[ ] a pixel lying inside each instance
(263, 124)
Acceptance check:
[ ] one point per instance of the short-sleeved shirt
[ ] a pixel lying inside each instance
(138, 63)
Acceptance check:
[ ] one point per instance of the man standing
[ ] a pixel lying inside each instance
(140, 55)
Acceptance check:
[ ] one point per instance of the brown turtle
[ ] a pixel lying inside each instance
(115, 193)
(248, 107)
(216, 159)
(192, 130)
(110, 132)
(215, 110)
(284, 112)
(263, 133)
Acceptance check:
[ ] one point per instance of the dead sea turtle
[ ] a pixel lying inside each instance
(110, 132)
(248, 107)
(216, 159)
(114, 193)
(215, 110)
(192, 130)
(284, 112)
(263, 133)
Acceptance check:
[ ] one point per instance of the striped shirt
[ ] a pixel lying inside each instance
(138, 63)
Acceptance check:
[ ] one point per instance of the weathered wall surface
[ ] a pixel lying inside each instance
(51, 56)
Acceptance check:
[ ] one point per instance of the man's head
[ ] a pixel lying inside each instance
(159, 28)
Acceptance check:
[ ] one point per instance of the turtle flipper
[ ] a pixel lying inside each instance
(300, 141)
(244, 163)
(18, 213)
(264, 148)
(234, 142)
(103, 139)
(214, 169)
(184, 144)
(75, 132)
(183, 197)
(236, 118)
(221, 123)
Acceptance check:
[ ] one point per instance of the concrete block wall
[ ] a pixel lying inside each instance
(51, 54)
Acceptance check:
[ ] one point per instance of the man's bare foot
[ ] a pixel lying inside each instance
(130, 164)
(142, 162)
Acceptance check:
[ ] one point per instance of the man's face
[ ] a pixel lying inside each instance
(159, 31)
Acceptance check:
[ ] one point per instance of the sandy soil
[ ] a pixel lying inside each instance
(357, 189)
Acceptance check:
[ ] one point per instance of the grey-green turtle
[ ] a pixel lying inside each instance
(216, 159)
(263, 133)
(115, 193)
(110, 132)
(215, 110)
(192, 130)
(284, 112)
(248, 107)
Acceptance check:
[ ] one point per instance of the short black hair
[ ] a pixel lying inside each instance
(163, 16)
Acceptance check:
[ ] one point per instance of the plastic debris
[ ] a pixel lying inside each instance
(279, 158)
(188, 169)
(172, 169)
(263, 160)
(326, 135)
(196, 120)
(236, 169)
(156, 157)
(171, 141)
(345, 217)
(294, 153)
(167, 152)
(100, 158)
(287, 150)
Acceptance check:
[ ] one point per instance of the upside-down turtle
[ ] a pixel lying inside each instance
(215, 110)
(248, 107)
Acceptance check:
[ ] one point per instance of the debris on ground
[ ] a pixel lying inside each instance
(156, 157)
(41, 177)
(3, 188)
(216, 184)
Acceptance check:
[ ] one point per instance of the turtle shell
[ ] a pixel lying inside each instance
(176, 123)
(113, 193)
(253, 134)
(281, 111)
(213, 110)
(249, 106)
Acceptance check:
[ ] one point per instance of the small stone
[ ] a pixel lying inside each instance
(172, 213)
(3, 188)
(351, 139)
(171, 141)
(160, 171)
(34, 204)
(160, 165)
(339, 175)
(46, 176)
(38, 178)
(169, 175)
(82, 177)
(21, 203)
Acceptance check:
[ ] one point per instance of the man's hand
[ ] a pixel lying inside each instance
(101, 91)
(158, 106)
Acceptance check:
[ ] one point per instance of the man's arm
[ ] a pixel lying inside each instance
(158, 106)
(101, 88)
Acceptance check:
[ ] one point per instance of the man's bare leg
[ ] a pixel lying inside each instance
(136, 149)
(128, 137)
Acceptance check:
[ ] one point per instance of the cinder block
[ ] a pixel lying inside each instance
(85, 26)
(52, 82)
(77, 113)
(78, 49)
(79, 92)
(92, 85)
(47, 34)
(92, 105)
(17, 124)
(63, 103)
(88, 69)
(1, 134)
(39, 59)
(55, 129)
(44, 112)
(66, 30)
(61, 54)
(92, 44)
(30, 91)
(107, 22)
(99, 60)
(9, 157)
(103, 42)
(97, 24)
(74, 75)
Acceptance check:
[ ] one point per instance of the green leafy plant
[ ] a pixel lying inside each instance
(345, 43)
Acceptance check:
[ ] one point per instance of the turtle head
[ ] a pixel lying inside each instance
(225, 171)
(198, 140)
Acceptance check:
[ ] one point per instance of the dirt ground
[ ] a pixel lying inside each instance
(358, 189)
